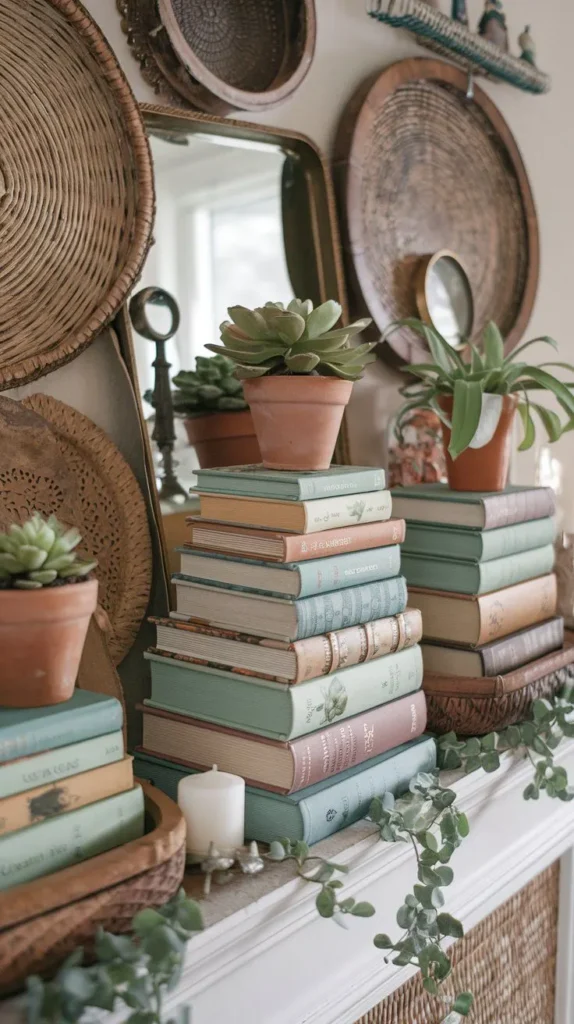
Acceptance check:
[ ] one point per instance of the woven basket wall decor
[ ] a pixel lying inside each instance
(218, 58)
(419, 169)
(76, 186)
(55, 460)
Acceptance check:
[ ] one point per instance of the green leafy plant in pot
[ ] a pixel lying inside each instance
(47, 597)
(298, 372)
(476, 395)
(217, 418)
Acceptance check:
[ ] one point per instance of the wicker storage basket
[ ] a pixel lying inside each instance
(43, 921)
(473, 707)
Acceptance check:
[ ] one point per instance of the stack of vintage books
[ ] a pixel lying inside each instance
(66, 788)
(480, 569)
(292, 659)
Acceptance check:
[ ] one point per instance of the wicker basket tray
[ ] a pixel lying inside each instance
(43, 921)
(473, 707)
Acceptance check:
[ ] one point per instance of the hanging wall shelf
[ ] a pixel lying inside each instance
(455, 41)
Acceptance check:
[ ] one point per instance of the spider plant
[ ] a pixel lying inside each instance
(469, 376)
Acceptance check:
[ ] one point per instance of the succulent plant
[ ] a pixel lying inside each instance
(40, 553)
(211, 387)
(297, 340)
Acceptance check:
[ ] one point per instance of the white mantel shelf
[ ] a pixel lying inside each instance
(267, 958)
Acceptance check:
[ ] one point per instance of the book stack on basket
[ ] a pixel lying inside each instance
(480, 569)
(292, 659)
(67, 789)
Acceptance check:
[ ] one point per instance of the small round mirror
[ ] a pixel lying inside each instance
(444, 297)
(154, 314)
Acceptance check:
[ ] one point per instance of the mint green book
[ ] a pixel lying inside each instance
(51, 766)
(275, 710)
(287, 485)
(458, 577)
(31, 730)
(319, 811)
(291, 579)
(478, 545)
(71, 838)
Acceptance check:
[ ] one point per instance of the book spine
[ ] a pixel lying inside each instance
(339, 609)
(304, 547)
(339, 747)
(518, 507)
(323, 655)
(315, 486)
(61, 730)
(54, 765)
(349, 570)
(514, 651)
(59, 842)
(515, 608)
(330, 513)
(512, 540)
(505, 572)
(24, 809)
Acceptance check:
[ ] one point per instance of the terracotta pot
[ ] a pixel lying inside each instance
(223, 439)
(297, 419)
(482, 469)
(42, 635)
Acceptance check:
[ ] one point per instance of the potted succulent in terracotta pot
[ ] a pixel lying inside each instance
(298, 372)
(46, 600)
(476, 394)
(216, 416)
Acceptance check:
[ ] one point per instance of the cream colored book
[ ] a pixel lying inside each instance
(298, 516)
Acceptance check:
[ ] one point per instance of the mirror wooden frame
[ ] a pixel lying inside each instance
(314, 186)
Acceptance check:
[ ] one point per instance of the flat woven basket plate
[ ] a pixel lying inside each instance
(76, 186)
(55, 460)
(419, 169)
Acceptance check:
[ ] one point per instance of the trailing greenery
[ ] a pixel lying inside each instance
(468, 376)
(211, 387)
(130, 971)
(537, 738)
(40, 553)
(297, 340)
(321, 872)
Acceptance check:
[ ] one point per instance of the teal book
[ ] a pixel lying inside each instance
(319, 811)
(70, 838)
(275, 710)
(285, 485)
(474, 578)
(435, 503)
(31, 730)
(293, 579)
(280, 618)
(478, 545)
(61, 763)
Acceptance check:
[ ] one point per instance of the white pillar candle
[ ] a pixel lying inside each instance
(213, 805)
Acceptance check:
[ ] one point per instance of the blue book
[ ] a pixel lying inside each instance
(293, 579)
(314, 813)
(283, 618)
(287, 485)
(31, 730)
(462, 577)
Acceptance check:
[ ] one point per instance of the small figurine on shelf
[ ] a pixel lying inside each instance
(459, 11)
(493, 24)
(527, 46)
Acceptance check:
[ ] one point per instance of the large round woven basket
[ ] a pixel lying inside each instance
(76, 185)
(43, 921)
(421, 169)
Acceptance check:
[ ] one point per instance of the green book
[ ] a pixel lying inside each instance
(287, 485)
(28, 731)
(275, 710)
(318, 811)
(478, 545)
(71, 838)
(53, 765)
(458, 577)
(435, 503)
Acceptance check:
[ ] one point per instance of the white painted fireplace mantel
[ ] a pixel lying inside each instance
(267, 958)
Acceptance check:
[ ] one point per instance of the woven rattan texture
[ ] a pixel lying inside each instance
(76, 186)
(508, 961)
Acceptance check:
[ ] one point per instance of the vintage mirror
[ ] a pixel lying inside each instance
(244, 214)
(444, 297)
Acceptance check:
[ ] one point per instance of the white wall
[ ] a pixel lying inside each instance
(350, 46)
